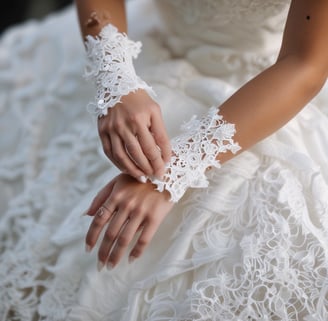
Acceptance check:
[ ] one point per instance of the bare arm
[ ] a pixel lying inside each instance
(258, 109)
(133, 134)
(108, 11)
(276, 95)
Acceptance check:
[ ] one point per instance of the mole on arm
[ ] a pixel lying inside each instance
(93, 20)
(308, 17)
(97, 20)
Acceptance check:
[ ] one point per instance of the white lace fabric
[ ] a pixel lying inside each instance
(195, 151)
(110, 65)
(251, 246)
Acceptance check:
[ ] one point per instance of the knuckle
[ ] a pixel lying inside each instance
(118, 156)
(131, 147)
(115, 198)
(151, 153)
(158, 166)
(152, 220)
(110, 236)
(161, 139)
(142, 242)
(118, 126)
(96, 224)
(135, 118)
(127, 205)
(137, 211)
(123, 241)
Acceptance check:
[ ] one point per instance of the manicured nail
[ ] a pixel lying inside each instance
(100, 266)
(110, 266)
(85, 213)
(131, 259)
(88, 248)
(142, 179)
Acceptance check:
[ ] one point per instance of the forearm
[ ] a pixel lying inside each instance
(95, 14)
(270, 100)
(255, 111)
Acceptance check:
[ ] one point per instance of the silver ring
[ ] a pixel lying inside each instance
(101, 211)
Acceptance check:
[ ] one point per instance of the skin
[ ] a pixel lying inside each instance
(258, 109)
(133, 134)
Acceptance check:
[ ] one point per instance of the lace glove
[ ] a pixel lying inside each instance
(110, 64)
(194, 151)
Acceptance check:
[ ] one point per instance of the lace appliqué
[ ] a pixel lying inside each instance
(110, 64)
(194, 151)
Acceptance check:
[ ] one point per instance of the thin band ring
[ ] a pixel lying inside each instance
(101, 210)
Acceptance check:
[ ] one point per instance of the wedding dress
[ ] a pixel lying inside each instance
(251, 246)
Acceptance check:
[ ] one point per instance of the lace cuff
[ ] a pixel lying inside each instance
(110, 63)
(194, 151)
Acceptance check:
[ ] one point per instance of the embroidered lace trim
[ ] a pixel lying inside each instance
(110, 64)
(194, 151)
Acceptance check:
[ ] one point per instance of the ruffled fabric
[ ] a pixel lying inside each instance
(251, 246)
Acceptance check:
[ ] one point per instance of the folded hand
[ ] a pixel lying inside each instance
(125, 207)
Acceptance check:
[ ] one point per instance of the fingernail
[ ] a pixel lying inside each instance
(110, 266)
(100, 266)
(85, 213)
(131, 259)
(142, 179)
(88, 248)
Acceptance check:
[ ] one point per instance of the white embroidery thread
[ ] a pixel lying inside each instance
(194, 151)
(110, 64)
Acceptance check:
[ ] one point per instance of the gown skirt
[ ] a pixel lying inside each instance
(253, 246)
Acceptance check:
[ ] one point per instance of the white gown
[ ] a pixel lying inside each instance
(251, 246)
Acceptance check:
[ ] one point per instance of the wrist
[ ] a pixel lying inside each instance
(110, 64)
(194, 151)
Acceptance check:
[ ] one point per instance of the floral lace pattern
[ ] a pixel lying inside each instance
(251, 246)
(110, 64)
(267, 266)
(194, 151)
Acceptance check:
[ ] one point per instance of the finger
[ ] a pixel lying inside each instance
(151, 151)
(111, 234)
(161, 138)
(102, 217)
(100, 198)
(144, 239)
(136, 154)
(123, 240)
(122, 159)
(107, 147)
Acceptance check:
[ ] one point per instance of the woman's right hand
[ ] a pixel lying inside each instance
(134, 137)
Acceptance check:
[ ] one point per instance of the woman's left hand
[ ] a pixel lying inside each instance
(124, 207)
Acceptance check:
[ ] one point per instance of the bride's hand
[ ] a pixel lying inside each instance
(134, 137)
(125, 207)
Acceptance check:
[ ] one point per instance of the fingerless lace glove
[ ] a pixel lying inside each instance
(110, 64)
(194, 151)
